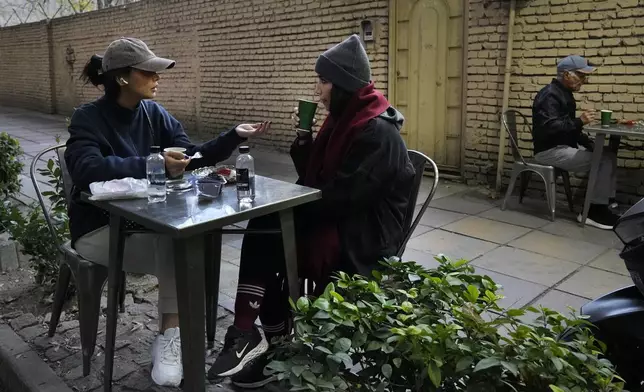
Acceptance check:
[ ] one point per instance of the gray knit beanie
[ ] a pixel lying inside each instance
(346, 65)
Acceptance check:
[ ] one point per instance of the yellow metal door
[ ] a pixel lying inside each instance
(426, 78)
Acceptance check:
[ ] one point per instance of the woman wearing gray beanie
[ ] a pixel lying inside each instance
(360, 163)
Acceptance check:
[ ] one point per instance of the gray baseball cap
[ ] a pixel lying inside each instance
(575, 63)
(132, 52)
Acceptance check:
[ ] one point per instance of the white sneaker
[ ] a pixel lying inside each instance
(167, 368)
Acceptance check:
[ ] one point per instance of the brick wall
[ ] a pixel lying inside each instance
(237, 60)
(168, 27)
(608, 32)
(485, 70)
(257, 58)
(24, 67)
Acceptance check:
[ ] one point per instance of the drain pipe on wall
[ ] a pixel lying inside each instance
(506, 96)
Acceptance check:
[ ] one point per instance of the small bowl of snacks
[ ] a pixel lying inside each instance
(209, 188)
(225, 173)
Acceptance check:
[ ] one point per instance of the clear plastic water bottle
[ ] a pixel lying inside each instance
(245, 168)
(155, 169)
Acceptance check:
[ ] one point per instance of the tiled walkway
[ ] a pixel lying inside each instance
(555, 264)
(537, 261)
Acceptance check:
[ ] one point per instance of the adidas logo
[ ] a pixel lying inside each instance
(254, 305)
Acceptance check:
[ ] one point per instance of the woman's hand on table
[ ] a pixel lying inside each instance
(248, 131)
(175, 163)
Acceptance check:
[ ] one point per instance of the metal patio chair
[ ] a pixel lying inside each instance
(89, 277)
(525, 168)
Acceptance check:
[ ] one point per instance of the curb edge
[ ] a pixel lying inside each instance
(21, 369)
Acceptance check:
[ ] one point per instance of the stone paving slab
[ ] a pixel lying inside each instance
(455, 246)
(462, 203)
(486, 229)
(611, 262)
(603, 282)
(517, 292)
(525, 265)
(572, 230)
(558, 246)
(514, 217)
(433, 217)
(561, 301)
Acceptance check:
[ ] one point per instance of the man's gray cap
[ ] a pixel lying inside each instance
(574, 63)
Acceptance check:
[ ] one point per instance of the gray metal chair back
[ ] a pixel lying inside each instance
(420, 161)
(89, 277)
(513, 120)
(67, 185)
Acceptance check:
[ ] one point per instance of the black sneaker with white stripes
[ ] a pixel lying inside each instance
(240, 348)
(252, 376)
(600, 216)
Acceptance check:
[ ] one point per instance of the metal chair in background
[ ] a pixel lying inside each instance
(524, 168)
(420, 162)
(90, 277)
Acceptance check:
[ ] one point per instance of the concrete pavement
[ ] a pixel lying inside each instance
(538, 262)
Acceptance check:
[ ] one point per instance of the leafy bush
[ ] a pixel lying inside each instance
(10, 166)
(413, 329)
(30, 229)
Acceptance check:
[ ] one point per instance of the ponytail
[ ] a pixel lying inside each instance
(93, 71)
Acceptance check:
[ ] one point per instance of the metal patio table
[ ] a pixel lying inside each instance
(196, 227)
(615, 132)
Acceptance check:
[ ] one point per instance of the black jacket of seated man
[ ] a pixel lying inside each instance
(554, 121)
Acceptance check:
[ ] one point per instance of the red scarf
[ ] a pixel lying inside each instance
(322, 247)
(336, 136)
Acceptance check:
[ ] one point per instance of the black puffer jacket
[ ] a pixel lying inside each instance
(554, 121)
(370, 195)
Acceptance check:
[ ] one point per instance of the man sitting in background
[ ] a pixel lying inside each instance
(559, 140)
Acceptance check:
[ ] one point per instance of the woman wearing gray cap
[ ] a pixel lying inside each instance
(360, 163)
(110, 138)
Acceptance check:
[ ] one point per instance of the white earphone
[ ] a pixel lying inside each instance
(123, 81)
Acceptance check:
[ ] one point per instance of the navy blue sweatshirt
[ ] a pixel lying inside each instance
(108, 142)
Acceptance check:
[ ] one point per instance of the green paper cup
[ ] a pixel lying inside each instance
(606, 115)
(306, 113)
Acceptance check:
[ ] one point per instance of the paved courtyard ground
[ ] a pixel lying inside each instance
(538, 262)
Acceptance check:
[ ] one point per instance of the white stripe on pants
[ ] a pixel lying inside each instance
(151, 254)
(578, 160)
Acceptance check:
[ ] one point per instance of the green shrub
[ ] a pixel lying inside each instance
(30, 229)
(414, 329)
(10, 166)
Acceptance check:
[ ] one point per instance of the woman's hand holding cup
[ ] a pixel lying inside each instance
(175, 163)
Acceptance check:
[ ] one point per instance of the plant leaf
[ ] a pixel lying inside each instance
(464, 363)
(434, 373)
(322, 304)
(486, 363)
(342, 345)
(374, 345)
(303, 304)
(511, 367)
(397, 362)
(324, 350)
(386, 370)
(298, 370)
(309, 377)
(474, 293)
(555, 388)
(346, 359)
(322, 315)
